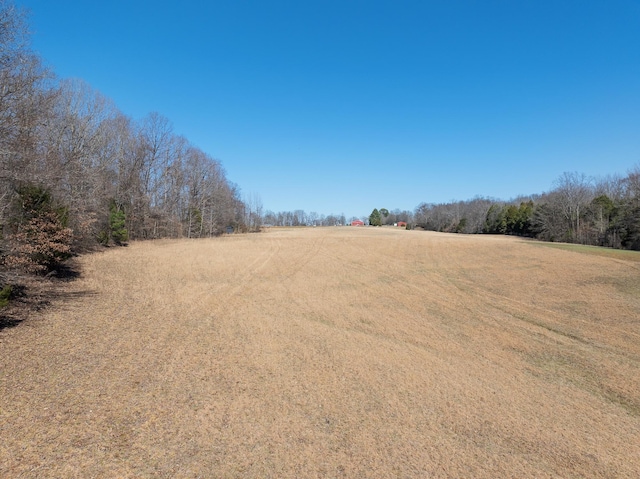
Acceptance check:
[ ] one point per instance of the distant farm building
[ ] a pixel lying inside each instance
(357, 223)
(402, 224)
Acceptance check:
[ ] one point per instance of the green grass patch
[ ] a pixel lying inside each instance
(5, 294)
(595, 250)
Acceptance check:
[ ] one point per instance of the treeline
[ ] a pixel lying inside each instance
(382, 217)
(75, 171)
(601, 212)
(301, 218)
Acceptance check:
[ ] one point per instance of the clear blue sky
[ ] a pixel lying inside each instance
(343, 106)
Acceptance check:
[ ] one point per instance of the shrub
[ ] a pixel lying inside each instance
(117, 221)
(103, 237)
(40, 240)
(5, 295)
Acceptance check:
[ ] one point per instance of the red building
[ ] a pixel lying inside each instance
(357, 223)
(402, 224)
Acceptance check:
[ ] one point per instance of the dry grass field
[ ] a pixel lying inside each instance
(327, 353)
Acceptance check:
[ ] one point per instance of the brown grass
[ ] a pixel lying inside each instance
(330, 352)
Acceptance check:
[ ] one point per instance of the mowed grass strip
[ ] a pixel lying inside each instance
(329, 352)
(626, 255)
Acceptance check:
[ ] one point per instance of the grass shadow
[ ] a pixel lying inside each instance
(8, 322)
(13, 314)
(31, 293)
(65, 273)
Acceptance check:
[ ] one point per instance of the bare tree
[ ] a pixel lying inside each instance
(24, 101)
(253, 212)
(575, 192)
(632, 185)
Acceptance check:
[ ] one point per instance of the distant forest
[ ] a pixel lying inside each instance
(590, 211)
(579, 209)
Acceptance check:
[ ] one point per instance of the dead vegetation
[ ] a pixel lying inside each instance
(330, 352)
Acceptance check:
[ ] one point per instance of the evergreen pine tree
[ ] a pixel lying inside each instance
(375, 219)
